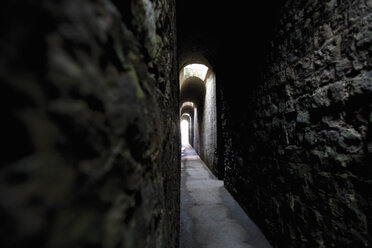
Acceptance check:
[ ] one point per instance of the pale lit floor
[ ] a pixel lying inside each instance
(210, 217)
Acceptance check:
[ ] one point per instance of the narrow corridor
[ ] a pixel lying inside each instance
(210, 217)
(272, 101)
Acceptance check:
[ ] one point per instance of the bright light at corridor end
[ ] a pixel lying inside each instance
(184, 133)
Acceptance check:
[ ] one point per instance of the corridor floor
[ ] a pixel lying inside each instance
(210, 217)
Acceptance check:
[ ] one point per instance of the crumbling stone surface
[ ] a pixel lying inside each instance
(301, 165)
(89, 97)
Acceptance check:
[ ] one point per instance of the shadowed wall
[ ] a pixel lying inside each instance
(89, 96)
(297, 152)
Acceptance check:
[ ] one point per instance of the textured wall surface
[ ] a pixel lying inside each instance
(89, 98)
(301, 164)
(208, 127)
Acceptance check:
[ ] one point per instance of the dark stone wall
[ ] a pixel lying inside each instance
(90, 124)
(297, 151)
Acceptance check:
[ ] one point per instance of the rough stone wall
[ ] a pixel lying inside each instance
(90, 124)
(301, 166)
(208, 127)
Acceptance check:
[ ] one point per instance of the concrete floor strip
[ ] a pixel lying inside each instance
(210, 217)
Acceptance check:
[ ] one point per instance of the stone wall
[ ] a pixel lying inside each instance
(300, 165)
(90, 124)
(208, 127)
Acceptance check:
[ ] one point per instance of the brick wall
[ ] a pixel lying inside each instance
(300, 165)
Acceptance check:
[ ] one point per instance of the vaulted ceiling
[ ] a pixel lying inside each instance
(231, 36)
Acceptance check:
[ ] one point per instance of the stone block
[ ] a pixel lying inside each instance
(331, 122)
(303, 117)
(290, 106)
(343, 66)
(350, 140)
(320, 98)
(361, 84)
(338, 92)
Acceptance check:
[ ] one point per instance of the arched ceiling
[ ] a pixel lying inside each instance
(186, 116)
(187, 110)
(230, 36)
(193, 90)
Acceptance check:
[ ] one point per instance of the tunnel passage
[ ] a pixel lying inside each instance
(91, 113)
(198, 102)
(294, 108)
(186, 129)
